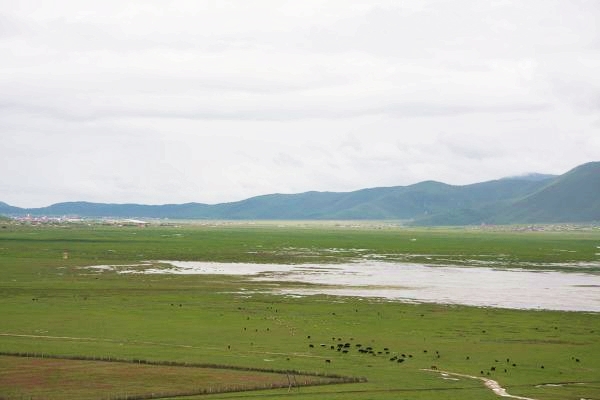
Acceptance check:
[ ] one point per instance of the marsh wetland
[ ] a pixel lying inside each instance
(372, 311)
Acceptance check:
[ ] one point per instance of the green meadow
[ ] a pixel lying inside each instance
(50, 305)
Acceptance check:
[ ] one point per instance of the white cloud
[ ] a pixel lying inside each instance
(154, 102)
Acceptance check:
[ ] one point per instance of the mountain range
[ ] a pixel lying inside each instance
(573, 197)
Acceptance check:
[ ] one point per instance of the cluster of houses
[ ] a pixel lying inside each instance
(45, 220)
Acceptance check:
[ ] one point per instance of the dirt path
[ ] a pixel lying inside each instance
(489, 383)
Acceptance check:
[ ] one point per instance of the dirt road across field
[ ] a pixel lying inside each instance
(489, 383)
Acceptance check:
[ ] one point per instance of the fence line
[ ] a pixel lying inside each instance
(328, 378)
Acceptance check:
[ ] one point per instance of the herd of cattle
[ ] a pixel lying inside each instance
(346, 347)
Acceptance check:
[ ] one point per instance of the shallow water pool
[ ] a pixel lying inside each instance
(478, 286)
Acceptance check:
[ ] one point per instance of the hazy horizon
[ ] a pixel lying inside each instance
(212, 102)
(524, 175)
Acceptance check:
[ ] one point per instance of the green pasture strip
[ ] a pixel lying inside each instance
(97, 244)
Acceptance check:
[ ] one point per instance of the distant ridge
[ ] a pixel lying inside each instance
(572, 197)
(533, 198)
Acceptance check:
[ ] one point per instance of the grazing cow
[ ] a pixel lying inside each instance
(311, 345)
(400, 360)
(434, 367)
(328, 361)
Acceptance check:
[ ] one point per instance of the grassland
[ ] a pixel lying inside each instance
(50, 305)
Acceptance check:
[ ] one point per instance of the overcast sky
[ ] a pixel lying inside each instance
(216, 101)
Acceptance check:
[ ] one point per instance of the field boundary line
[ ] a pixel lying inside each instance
(141, 342)
(336, 377)
(59, 337)
(295, 379)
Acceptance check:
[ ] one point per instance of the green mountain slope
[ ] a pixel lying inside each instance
(5, 209)
(572, 197)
